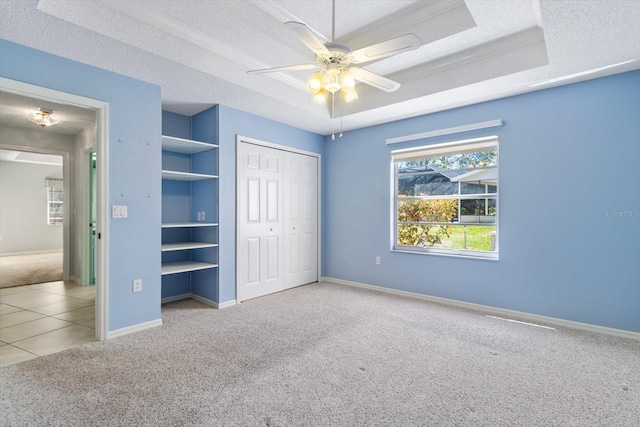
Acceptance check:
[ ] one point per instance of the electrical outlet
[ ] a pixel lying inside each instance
(377, 260)
(137, 285)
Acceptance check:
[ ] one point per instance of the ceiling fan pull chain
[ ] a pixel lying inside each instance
(333, 111)
(341, 104)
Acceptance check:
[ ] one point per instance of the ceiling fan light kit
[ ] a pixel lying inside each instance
(331, 80)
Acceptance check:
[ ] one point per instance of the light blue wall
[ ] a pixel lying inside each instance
(231, 123)
(177, 125)
(134, 170)
(568, 156)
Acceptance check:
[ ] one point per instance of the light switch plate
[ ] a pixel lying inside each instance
(118, 211)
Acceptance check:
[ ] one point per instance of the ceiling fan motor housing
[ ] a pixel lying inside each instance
(339, 53)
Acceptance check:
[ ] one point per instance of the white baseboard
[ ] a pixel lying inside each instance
(201, 299)
(48, 251)
(227, 304)
(175, 298)
(77, 281)
(204, 300)
(135, 328)
(486, 309)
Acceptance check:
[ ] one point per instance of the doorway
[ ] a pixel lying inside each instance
(97, 137)
(31, 217)
(277, 244)
(41, 310)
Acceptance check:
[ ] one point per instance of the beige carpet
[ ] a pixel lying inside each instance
(18, 270)
(327, 355)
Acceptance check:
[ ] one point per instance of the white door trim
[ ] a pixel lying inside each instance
(102, 149)
(240, 139)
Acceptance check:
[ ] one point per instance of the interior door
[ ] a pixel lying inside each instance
(260, 221)
(301, 219)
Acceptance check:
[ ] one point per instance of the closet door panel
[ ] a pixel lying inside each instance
(301, 220)
(253, 261)
(260, 226)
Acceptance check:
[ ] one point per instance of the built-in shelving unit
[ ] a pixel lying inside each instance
(190, 192)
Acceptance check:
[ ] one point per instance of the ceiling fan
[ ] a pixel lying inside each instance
(334, 62)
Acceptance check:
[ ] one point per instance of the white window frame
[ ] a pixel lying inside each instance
(434, 150)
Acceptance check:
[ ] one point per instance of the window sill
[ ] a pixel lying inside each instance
(482, 256)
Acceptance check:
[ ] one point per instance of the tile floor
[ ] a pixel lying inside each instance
(37, 320)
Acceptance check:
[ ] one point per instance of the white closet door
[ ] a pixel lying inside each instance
(260, 221)
(301, 219)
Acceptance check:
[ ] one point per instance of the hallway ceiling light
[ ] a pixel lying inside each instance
(43, 118)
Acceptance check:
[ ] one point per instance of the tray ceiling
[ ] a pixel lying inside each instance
(199, 51)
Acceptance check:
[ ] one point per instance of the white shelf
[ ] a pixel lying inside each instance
(188, 224)
(166, 247)
(185, 146)
(185, 266)
(186, 176)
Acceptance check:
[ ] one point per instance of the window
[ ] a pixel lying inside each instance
(446, 198)
(55, 201)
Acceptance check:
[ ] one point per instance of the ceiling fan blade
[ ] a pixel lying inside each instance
(384, 49)
(308, 38)
(285, 68)
(373, 79)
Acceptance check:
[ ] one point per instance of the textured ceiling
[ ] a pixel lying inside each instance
(198, 51)
(14, 109)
